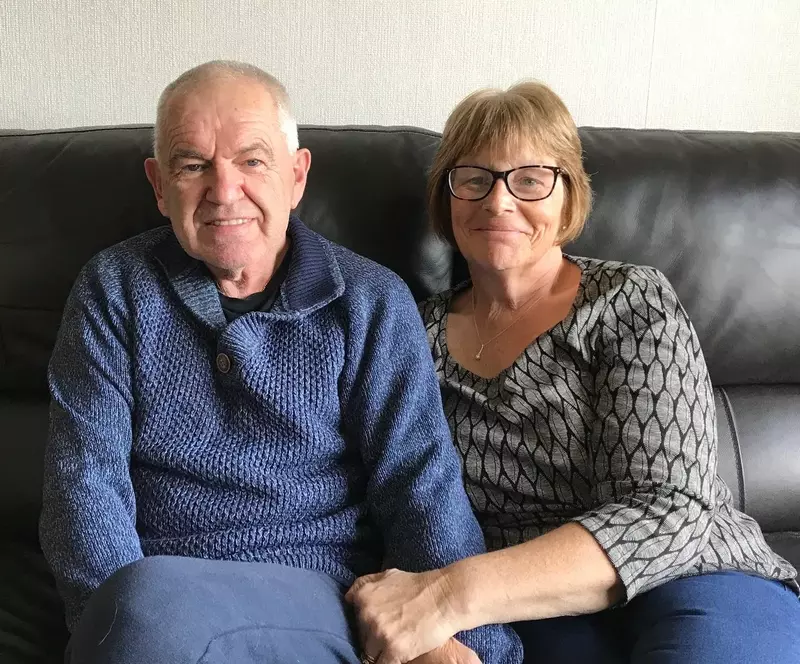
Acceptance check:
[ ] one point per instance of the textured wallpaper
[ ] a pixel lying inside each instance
(704, 64)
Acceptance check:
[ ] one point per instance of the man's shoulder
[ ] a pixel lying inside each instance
(136, 252)
(127, 266)
(364, 277)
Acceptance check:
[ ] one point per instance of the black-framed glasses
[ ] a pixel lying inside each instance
(527, 183)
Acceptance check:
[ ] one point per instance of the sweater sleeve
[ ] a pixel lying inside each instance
(653, 442)
(415, 491)
(88, 521)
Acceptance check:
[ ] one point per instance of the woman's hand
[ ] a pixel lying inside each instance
(403, 615)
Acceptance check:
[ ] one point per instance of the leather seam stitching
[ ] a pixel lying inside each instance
(3, 354)
(780, 534)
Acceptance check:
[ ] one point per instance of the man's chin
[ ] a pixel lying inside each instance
(222, 259)
(228, 255)
(226, 263)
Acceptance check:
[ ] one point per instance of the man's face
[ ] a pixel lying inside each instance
(226, 178)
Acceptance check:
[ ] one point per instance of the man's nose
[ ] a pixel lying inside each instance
(224, 184)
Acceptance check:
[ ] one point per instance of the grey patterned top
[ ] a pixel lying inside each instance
(607, 420)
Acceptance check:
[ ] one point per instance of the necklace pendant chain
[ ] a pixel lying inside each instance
(516, 319)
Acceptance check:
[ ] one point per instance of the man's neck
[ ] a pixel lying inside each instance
(246, 281)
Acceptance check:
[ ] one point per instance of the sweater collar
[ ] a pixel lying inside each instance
(312, 281)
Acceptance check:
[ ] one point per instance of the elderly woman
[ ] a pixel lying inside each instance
(579, 399)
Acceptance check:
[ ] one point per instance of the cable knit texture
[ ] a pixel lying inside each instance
(311, 435)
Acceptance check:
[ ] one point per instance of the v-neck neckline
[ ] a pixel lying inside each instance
(477, 379)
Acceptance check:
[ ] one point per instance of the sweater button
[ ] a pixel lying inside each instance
(223, 363)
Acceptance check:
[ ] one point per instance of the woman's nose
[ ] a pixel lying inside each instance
(499, 198)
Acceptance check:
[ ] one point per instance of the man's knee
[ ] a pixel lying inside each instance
(137, 610)
(169, 609)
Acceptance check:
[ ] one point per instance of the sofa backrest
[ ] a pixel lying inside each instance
(718, 212)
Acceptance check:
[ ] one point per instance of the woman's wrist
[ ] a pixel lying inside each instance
(462, 601)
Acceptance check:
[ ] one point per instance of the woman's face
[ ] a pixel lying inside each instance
(502, 232)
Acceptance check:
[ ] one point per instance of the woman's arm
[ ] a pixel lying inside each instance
(654, 439)
(653, 453)
(564, 572)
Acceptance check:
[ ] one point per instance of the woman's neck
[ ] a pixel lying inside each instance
(508, 291)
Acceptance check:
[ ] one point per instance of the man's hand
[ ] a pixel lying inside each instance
(402, 615)
(452, 652)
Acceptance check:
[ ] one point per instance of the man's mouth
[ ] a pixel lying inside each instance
(229, 222)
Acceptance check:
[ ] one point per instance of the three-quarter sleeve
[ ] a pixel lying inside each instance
(653, 443)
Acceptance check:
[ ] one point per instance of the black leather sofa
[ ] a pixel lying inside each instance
(719, 213)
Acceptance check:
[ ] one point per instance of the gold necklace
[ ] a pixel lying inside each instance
(517, 318)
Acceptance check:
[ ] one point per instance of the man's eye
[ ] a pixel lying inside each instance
(253, 162)
(192, 168)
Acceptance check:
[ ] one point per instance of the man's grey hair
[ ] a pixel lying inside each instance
(221, 68)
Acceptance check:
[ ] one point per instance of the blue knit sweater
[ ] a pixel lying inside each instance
(317, 441)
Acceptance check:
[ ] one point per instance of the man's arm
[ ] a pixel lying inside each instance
(415, 491)
(88, 521)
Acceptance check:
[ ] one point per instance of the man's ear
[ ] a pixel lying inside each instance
(153, 171)
(301, 163)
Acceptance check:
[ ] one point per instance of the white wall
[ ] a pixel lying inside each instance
(716, 64)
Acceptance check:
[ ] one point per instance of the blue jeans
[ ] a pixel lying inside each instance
(722, 618)
(170, 609)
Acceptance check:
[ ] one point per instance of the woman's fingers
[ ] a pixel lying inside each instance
(400, 614)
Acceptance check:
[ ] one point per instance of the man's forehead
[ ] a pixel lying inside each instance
(224, 140)
(209, 115)
(225, 87)
(251, 103)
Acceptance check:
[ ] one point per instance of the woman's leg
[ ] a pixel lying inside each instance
(171, 609)
(571, 640)
(727, 617)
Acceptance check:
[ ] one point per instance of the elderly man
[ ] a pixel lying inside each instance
(244, 415)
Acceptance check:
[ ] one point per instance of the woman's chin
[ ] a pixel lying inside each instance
(498, 258)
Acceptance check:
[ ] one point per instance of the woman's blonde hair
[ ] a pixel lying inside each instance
(526, 115)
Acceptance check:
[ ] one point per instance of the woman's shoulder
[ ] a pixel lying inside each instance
(614, 290)
(614, 273)
(604, 279)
